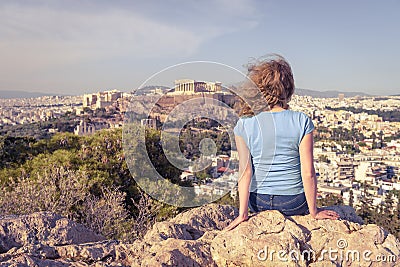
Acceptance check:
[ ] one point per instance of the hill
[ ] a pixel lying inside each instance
(21, 94)
(327, 94)
(316, 93)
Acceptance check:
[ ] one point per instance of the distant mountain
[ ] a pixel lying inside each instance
(316, 93)
(21, 94)
(326, 94)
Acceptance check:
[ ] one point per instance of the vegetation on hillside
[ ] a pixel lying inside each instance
(85, 178)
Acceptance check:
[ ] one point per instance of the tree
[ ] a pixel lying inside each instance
(366, 209)
(351, 198)
(374, 144)
(380, 139)
(389, 203)
(324, 158)
(330, 200)
(87, 110)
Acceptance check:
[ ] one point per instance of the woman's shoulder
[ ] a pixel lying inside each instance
(298, 113)
(246, 119)
(283, 114)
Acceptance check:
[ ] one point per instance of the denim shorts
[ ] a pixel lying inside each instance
(287, 204)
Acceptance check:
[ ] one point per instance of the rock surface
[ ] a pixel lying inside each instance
(196, 238)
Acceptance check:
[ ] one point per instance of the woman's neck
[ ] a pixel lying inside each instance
(276, 108)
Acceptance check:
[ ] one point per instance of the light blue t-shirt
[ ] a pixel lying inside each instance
(273, 139)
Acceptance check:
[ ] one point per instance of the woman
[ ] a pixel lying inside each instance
(275, 148)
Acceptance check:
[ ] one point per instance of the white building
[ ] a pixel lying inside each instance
(187, 86)
(101, 99)
(85, 128)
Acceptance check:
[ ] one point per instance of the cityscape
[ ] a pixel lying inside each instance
(357, 144)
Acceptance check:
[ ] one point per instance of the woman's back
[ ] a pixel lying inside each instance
(276, 162)
(273, 139)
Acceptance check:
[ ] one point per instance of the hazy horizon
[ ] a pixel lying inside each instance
(7, 94)
(71, 47)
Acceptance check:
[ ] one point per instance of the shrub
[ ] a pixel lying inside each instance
(68, 193)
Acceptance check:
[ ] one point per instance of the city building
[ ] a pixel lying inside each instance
(346, 168)
(101, 99)
(150, 123)
(88, 128)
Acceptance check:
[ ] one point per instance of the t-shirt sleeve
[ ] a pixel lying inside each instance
(239, 128)
(309, 125)
(306, 128)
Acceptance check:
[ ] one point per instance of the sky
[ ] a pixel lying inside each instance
(80, 46)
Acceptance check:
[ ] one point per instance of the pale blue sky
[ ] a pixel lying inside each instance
(71, 47)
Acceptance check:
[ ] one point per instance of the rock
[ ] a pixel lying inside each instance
(192, 224)
(27, 260)
(164, 230)
(90, 252)
(175, 252)
(258, 242)
(131, 254)
(42, 228)
(38, 251)
(208, 217)
(251, 243)
(197, 238)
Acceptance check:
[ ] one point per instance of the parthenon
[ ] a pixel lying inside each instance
(187, 86)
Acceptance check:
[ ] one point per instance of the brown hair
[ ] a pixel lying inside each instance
(273, 78)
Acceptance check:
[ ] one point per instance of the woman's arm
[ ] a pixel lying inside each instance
(310, 179)
(245, 173)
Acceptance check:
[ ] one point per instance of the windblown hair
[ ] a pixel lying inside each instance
(273, 78)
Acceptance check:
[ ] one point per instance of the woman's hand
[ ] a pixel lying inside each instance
(325, 214)
(239, 219)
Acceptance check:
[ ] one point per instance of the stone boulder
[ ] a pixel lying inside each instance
(197, 238)
(271, 239)
(42, 228)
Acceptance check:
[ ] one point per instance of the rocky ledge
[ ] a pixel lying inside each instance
(197, 238)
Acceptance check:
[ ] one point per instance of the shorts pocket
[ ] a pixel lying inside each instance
(261, 200)
(288, 201)
(259, 203)
(299, 210)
